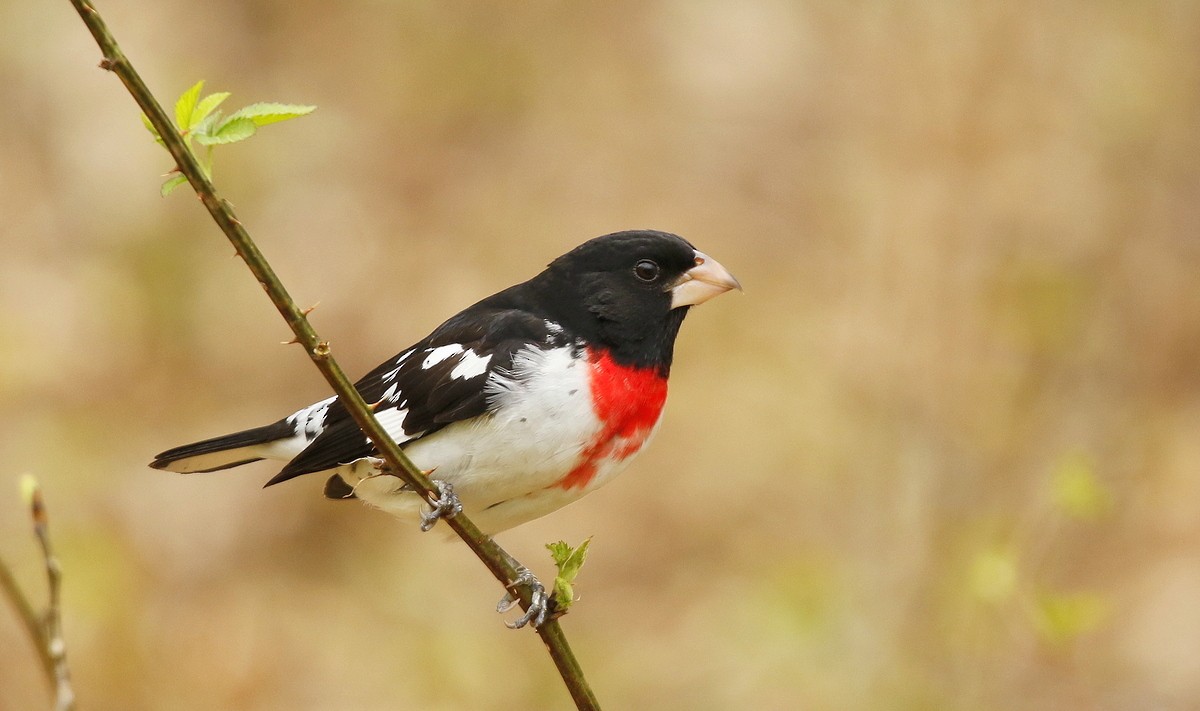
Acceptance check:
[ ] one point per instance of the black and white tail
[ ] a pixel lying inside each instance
(281, 440)
(229, 450)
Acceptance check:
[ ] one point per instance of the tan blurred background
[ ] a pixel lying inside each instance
(944, 452)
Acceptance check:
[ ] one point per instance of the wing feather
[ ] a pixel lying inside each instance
(436, 382)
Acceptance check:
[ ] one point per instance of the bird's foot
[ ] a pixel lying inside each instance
(539, 602)
(447, 505)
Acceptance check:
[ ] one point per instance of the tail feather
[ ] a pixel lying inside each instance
(224, 452)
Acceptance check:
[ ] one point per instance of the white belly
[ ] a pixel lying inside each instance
(507, 467)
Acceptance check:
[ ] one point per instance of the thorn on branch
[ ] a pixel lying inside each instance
(106, 64)
(309, 310)
(294, 341)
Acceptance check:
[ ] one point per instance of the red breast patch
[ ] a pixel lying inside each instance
(628, 402)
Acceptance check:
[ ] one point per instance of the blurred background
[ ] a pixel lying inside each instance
(943, 453)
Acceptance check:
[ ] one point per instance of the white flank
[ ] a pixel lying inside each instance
(505, 467)
(439, 354)
(471, 365)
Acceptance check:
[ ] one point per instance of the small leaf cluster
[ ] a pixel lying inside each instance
(200, 120)
(568, 561)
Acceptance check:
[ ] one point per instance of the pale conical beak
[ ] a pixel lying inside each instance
(702, 282)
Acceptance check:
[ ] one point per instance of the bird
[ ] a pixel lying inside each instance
(523, 402)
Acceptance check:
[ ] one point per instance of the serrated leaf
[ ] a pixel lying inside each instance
(206, 106)
(171, 183)
(231, 130)
(266, 112)
(568, 561)
(559, 551)
(570, 565)
(205, 127)
(186, 104)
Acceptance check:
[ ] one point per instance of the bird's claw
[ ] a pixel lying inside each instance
(539, 602)
(447, 505)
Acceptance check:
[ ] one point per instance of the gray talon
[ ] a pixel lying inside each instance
(447, 506)
(538, 605)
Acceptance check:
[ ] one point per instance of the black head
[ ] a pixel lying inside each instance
(629, 291)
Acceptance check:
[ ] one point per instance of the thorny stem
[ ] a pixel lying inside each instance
(499, 562)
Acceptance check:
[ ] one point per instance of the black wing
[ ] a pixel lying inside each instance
(438, 381)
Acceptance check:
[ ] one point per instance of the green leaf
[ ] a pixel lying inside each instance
(206, 107)
(204, 128)
(231, 130)
(150, 127)
(186, 104)
(171, 183)
(568, 560)
(264, 113)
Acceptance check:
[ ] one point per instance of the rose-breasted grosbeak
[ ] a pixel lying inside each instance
(523, 402)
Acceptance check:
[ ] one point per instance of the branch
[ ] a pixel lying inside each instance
(45, 631)
(52, 641)
(33, 625)
(502, 565)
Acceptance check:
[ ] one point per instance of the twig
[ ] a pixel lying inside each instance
(56, 646)
(45, 631)
(500, 563)
(33, 625)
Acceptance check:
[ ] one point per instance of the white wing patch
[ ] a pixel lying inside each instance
(391, 374)
(307, 423)
(471, 365)
(311, 420)
(441, 353)
(393, 421)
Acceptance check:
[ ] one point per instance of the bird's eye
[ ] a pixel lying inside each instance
(646, 270)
